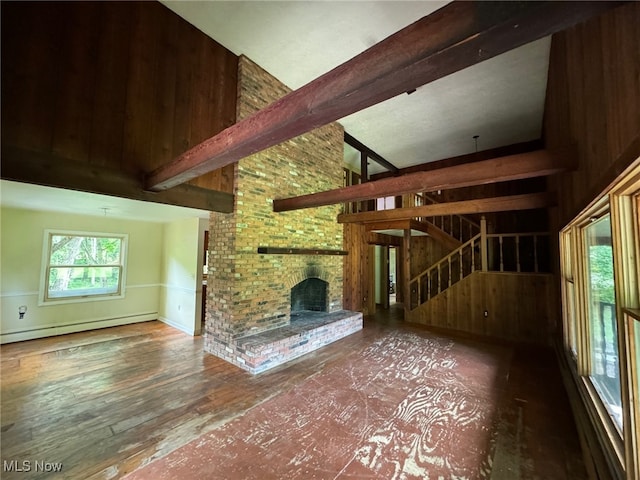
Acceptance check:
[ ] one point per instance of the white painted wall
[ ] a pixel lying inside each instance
(21, 245)
(202, 227)
(392, 265)
(163, 278)
(181, 291)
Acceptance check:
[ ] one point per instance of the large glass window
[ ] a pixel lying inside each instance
(605, 368)
(600, 262)
(83, 265)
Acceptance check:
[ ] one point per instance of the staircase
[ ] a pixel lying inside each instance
(513, 252)
(459, 227)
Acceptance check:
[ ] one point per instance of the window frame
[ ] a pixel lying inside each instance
(45, 300)
(570, 305)
(622, 202)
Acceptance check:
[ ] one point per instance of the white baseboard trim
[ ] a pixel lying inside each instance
(182, 328)
(53, 330)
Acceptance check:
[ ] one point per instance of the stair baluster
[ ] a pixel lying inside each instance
(434, 275)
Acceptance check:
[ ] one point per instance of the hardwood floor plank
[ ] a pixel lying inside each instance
(106, 402)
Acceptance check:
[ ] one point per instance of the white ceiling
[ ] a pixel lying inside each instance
(501, 99)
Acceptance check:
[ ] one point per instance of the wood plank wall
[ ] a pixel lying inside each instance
(519, 307)
(359, 267)
(356, 288)
(425, 251)
(121, 85)
(593, 102)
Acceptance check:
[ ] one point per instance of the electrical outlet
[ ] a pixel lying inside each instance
(486, 313)
(22, 309)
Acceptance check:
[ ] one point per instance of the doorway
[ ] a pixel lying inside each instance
(393, 277)
(205, 273)
(386, 275)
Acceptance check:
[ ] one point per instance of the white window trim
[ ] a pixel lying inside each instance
(42, 296)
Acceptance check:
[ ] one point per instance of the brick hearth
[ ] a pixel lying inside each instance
(312, 330)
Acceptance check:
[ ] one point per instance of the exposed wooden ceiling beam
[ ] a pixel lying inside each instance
(512, 167)
(488, 154)
(482, 205)
(454, 37)
(361, 147)
(53, 171)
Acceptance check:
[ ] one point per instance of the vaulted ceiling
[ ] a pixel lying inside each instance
(500, 99)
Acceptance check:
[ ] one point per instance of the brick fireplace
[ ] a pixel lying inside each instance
(249, 293)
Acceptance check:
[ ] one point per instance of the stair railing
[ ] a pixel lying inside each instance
(457, 226)
(518, 252)
(449, 270)
(510, 252)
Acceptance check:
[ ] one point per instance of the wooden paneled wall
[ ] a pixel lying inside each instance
(359, 264)
(357, 290)
(425, 251)
(121, 86)
(520, 307)
(593, 102)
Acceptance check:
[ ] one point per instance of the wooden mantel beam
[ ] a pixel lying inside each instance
(454, 37)
(482, 205)
(512, 167)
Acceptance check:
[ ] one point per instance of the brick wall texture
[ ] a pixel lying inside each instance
(250, 292)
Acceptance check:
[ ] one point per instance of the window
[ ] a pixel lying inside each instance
(386, 203)
(568, 292)
(79, 265)
(600, 260)
(601, 308)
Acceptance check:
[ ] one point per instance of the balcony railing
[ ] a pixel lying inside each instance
(518, 252)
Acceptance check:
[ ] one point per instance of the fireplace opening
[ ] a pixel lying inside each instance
(309, 295)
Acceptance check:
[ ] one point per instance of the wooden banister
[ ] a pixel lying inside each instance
(445, 273)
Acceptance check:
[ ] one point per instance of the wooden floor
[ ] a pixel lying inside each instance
(103, 403)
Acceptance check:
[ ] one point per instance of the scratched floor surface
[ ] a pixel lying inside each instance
(408, 406)
(392, 401)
